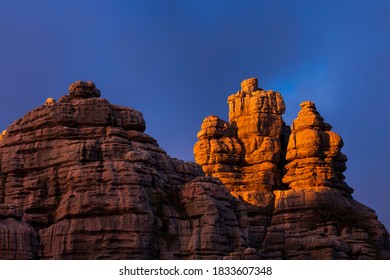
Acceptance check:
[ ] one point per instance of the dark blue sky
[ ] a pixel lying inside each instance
(177, 62)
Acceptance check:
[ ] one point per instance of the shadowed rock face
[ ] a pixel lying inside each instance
(81, 89)
(79, 179)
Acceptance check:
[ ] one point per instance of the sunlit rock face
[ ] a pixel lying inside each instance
(316, 218)
(244, 153)
(295, 176)
(79, 179)
(314, 153)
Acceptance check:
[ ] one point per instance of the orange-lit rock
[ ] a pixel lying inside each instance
(79, 179)
(314, 153)
(245, 152)
(49, 101)
(311, 214)
(317, 218)
(2, 134)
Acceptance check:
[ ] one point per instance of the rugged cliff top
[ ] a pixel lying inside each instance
(79, 179)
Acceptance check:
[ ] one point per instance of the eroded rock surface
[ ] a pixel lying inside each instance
(317, 218)
(293, 177)
(80, 179)
(314, 153)
(245, 152)
(323, 223)
(82, 175)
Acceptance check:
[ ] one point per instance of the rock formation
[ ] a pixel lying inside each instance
(317, 218)
(314, 154)
(245, 153)
(83, 176)
(82, 89)
(297, 179)
(79, 179)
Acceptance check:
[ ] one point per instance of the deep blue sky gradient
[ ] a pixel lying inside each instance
(177, 62)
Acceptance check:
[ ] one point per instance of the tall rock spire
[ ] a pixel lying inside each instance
(245, 152)
(314, 153)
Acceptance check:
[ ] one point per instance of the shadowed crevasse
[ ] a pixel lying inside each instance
(81, 180)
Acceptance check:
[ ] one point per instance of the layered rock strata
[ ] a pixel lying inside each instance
(323, 223)
(294, 177)
(314, 153)
(80, 179)
(317, 218)
(245, 152)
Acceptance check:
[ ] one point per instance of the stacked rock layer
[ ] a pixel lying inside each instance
(314, 153)
(79, 179)
(245, 152)
(294, 178)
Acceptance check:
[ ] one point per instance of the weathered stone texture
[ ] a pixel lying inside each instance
(314, 153)
(322, 223)
(18, 240)
(293, 177)
(245, 152)
(81, 174)
(81, 89)
(80, 179)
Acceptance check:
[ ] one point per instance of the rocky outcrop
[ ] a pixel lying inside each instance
(82, 175)
(314, 153)
(80, 179)
(245, 152)
(317, 218)
(322, 223)
(294, 178)
(81, 89)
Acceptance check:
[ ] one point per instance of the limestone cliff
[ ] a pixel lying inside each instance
(79, 179)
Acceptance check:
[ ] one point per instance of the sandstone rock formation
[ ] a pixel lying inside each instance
(79, 179)
(314, 154)
(297, 179)
(317, 217)
(82, 175)
(81, 89)
(245, 153)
